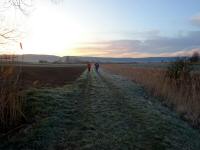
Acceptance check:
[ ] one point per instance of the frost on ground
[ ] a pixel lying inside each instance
(100, 111)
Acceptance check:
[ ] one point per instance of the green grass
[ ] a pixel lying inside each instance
(48, 113)
(89, 115)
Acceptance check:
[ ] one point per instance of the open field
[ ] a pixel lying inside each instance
(157, 65)
(182, 95)
(51, 75)
(99, 111)
(14, 79)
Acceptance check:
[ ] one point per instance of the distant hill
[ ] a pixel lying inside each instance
(74, 59)
(78, 59)
(37, 58)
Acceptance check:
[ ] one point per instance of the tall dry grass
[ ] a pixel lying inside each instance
(11, 99)
(183, 93)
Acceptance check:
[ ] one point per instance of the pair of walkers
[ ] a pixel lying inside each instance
(96, 65)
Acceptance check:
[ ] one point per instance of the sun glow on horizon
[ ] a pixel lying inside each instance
(52, 31)
(101, 28)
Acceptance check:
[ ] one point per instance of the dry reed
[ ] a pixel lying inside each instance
(182, 94)
(11, 99)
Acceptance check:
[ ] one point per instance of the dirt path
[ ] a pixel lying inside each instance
(104, 111)
(118, 115)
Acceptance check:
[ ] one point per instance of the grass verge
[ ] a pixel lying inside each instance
(183, 95)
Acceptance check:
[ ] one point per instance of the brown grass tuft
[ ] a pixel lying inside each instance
(183, 94)
(11, 99)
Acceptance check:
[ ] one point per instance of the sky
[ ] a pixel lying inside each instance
(106, 28)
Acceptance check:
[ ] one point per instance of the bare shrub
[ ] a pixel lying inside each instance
(11, 99)
(179, 69)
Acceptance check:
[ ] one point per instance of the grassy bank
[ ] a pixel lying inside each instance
(184, 95)
(15, 78)
(48, 112)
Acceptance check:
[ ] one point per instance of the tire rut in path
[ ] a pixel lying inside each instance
(111, 118)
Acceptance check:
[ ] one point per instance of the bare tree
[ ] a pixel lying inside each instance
(8, 33)
(24, 6)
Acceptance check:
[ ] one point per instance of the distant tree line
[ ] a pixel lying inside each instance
(182, 67)
(195, 57)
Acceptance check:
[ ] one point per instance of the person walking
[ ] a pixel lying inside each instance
(96, 67)
(89, 67)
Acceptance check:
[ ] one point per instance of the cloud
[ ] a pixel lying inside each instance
(157, 46)
(102, 52)
(195, 20)
(171, 44)
(127, 54)
(180, 53)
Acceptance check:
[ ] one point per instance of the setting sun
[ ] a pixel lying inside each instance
(52, 32)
